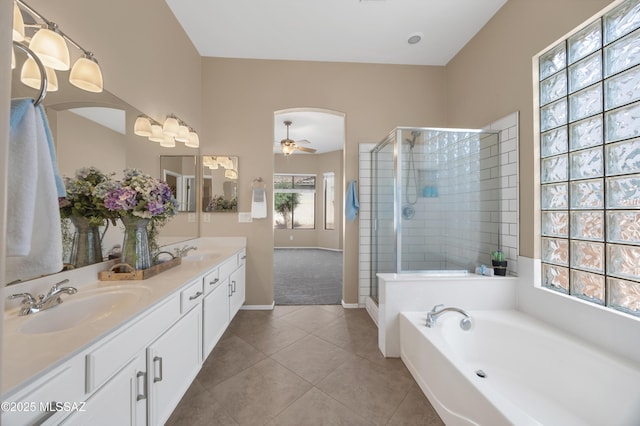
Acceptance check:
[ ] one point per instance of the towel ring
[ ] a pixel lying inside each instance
(43, 71)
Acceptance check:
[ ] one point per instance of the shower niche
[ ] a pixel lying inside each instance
(435, 201)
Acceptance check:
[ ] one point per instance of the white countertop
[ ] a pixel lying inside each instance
(26, 356)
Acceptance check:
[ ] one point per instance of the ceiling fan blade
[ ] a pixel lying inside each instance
(302, 148)
(303, 141)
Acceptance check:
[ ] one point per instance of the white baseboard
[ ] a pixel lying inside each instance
(350, 305)
(258, 307)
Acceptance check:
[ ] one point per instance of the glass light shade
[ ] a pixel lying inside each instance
(18, 24)
(51, 49)
(194, 140)
(183, 134)
(86, 75)
(231, 174)
(168, 142)
(171, 127)
(156, 133)
(287, 150)
(13, 59)
(30, 76)
(142, 127)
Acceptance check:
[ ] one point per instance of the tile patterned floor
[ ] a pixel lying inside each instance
(302, 365)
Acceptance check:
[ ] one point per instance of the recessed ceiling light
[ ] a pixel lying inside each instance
(414, 38)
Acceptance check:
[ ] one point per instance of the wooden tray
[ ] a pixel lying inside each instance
(114, 273)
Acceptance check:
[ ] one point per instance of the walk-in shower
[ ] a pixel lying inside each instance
(435, 201)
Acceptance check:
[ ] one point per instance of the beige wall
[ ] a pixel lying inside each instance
(316, 164)
(491, 77)
(239, 100)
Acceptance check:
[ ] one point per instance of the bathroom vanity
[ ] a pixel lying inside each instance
(120, 352)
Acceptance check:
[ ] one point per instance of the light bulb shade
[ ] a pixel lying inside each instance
(168, 142)
(194, 140)
(142, 127)
(86, 75)
(30, 76)
(18, 24)
(231, 174)
(171, 127)
(51, 49)
(156, 133)
(183, 134)
(13, 59)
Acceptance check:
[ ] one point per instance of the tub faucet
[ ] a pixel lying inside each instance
(30, 305)
(434, 314)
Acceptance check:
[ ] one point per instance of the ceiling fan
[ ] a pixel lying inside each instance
(288, 146)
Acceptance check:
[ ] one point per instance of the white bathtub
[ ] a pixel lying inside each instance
(534, 374)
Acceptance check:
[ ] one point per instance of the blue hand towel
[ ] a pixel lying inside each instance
(351, 205)
(19, 108)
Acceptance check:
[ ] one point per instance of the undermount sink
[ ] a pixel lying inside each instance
(195, 257)
(83, 308)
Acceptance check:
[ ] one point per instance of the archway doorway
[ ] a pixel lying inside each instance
(308, 206)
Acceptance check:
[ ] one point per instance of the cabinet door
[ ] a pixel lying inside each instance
(237, 282)
(173, 361)
(216, 316)
(121, 401)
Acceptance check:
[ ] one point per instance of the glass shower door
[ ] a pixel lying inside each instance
(383, 226)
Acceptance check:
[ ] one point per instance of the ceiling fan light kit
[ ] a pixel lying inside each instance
(289, 146)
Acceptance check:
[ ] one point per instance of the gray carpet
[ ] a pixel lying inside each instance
(307, 277)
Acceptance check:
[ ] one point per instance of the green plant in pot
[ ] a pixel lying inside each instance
(499, 263)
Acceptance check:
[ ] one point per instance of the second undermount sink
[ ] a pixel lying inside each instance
(85, 307)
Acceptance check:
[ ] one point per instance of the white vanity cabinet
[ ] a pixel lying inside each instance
(173, 361)
(137, 373)
(224, 290)
(122, 401)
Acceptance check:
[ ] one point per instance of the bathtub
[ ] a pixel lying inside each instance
(511, 369)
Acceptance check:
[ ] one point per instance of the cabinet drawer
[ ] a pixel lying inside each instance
(228, 267)
(108, 358)
(64, 385)
(191, 296)
(211, 281)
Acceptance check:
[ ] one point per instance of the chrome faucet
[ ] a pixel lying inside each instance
(30, 305)
(182, 252)
(438, 310)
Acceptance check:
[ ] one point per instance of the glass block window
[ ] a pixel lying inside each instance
(589, 109)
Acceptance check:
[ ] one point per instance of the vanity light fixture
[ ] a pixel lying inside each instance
(156, 133)
(18, 24)
(194, 140)
(30, 76)
(171, 126)
(173, 130)
(168, 142)
(51, 47)
(13, 59)
(142, 126)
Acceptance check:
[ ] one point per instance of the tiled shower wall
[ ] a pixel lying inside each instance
(476, 233)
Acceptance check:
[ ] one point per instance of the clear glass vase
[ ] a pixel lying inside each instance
(135, 247)
(87, 247)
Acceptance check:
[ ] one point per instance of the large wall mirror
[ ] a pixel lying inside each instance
(92, 129)
(179, 171)
(219, 183)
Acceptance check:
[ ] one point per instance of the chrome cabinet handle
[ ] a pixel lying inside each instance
(234, 286)
(143, 395)
(159, 360)
(230, 290)
(244, 257)
(214, 281)
(195, 296)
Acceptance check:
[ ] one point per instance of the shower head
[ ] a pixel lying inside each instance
(412, 141)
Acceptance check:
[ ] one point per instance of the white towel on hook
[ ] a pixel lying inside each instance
(259, 204)
(34, 237)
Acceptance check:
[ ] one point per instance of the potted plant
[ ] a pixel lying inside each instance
(499, 263)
